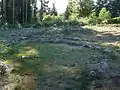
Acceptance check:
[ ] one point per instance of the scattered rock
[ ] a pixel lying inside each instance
(103, 67)
(23, 38)
(97, 47)
(118, 38)
(13, 34)
(119, 68)
(4, 68)
(107, 50)
(92, 73)
(87, 46)
(76, 38)
(36, 37)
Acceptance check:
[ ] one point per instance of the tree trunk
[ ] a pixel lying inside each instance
(13, 12)
(35, 7)
(41, 10)
(23, 11)
(26, 11)
(3, 10)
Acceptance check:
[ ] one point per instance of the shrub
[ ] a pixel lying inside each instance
(73, 17)
(52, 17)
(47, 18)
(93, 19)
(57, 20)
(84, 20)
(104, 14)
(115, 20)
(73, 22)
(3, 48)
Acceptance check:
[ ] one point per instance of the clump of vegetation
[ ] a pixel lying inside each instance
(93, 19)
(115, 20)
(104, 15)
(48, 18)
(4, 49)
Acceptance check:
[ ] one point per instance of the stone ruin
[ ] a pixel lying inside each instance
(4, 70)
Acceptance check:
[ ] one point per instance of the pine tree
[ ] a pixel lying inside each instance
(114, 8)
(71, 9)
(43, 8)
(13, 12)
(67, 13)
(104, 14)
(1, 12)
(85, 7)
(72, 5)
(16, 11)
(54, 10)
(100, 4)
(34, 3)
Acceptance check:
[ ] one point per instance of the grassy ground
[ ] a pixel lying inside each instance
(53, 58)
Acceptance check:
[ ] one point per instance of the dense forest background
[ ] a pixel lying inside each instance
(86, 11)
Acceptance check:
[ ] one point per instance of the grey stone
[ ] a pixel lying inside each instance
(92, 73)
(13, 34)
(87, 46)
(97, 47)
(4, 68)
(103, 67)
(23, 38)
(107, 50)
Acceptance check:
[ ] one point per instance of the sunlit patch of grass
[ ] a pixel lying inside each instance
(113, 44)
(106, 43)
(25, 59)
(27, 52)
(8, 62)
